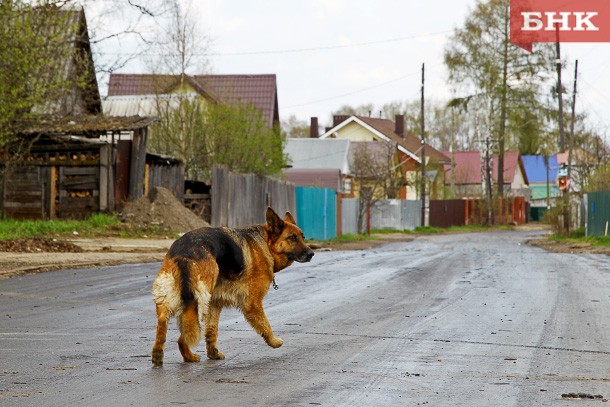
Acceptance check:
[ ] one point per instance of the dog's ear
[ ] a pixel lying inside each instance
(288, 218)
(274, 222)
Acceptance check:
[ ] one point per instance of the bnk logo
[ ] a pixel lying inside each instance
(559, 20)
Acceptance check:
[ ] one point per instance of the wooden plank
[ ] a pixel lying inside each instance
(104, 177)
(146, 179)
(53, 197)
(16, 204)
(138, 162)
(81, 185)
(81, 170)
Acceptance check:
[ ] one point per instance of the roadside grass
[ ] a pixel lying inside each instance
(429, 230)
(578, 237)
(96, 224)
(351, 237)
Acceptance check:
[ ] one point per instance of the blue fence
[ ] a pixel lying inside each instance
(317, 212)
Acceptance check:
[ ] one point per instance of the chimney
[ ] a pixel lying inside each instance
(314, 131)
(339, 119)
(399, 125)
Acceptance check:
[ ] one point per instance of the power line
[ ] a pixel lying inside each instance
(293, 50)
(313, 102)
(328, 47)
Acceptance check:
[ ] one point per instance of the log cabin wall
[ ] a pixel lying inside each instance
(59, 182)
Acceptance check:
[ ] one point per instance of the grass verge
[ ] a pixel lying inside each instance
(578, 237)
(96, 224)
(429, 230)
(351, 237)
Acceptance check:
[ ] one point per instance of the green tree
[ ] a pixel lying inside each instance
(501, 79)
(237, 136)
(599, 180)
(177, 132)
(203, 136)
(40, 48)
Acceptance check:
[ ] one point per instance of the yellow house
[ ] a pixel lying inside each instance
(407, 155)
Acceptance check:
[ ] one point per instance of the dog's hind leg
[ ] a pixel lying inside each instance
(211, 332)
(190, 332)
(162, 320)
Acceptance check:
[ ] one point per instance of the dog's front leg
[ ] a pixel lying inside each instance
(255, 315)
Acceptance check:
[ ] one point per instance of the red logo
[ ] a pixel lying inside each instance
(559, 20)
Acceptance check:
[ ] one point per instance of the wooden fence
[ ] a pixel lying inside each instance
(240, 200)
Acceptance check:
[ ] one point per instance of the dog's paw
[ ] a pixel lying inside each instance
(192, 358)
(216, 355)
(157, 358)
(275, 342)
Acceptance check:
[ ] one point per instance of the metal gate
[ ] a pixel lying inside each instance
(317, 212)
(598, 213)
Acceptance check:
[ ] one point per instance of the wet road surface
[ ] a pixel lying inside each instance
(463, 320)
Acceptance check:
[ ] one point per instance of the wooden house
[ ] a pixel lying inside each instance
(468, 182)
(78, 161)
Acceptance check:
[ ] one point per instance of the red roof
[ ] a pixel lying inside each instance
(468, 167)
(260, 90)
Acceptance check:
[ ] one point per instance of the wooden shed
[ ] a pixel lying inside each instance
(77, 166)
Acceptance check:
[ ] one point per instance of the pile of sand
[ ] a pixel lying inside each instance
(163, 210)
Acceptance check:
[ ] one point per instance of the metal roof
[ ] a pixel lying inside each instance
(318, 153)
(142, 105)
(260, 90)
(468, 167)
(310, 177)
(535, 168)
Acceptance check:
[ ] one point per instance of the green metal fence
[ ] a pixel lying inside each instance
(598, 213)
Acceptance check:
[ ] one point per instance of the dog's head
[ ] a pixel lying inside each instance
(286, 241)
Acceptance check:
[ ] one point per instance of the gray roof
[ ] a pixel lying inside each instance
(143, 105)
(318, 178)
(319, 153)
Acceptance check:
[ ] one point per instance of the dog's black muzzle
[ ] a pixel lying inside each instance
(304, 256)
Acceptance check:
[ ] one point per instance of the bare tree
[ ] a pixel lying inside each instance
(376, 174)
(293, 127)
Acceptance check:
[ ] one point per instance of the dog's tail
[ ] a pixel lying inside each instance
(188, 322)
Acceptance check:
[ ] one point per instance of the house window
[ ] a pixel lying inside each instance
(347, 186)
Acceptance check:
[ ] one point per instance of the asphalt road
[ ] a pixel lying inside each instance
(462, 320)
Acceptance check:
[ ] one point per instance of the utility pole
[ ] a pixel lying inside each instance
(560, 95)
(423, 152)
(564, 217)
(571, 141)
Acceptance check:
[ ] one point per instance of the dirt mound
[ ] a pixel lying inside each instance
(163, 210)
(38, 245)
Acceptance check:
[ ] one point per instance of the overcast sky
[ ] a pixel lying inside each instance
(329, 53)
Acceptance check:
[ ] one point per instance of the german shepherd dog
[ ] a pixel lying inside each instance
(208, 269)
